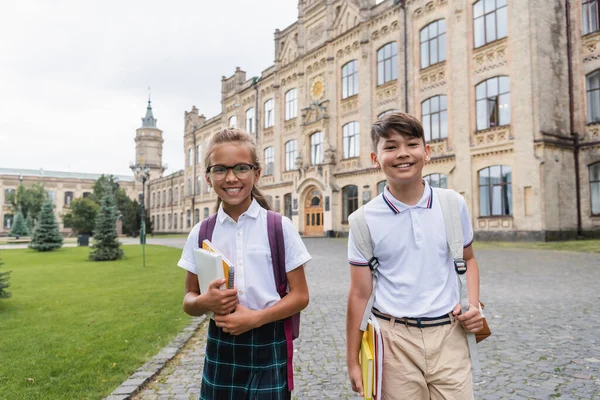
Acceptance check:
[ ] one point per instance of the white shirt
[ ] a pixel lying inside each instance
(416, 270)
(246, 244)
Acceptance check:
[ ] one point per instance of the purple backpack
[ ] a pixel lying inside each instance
(276, 242)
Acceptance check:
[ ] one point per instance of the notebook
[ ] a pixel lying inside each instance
(209, 267)
(367, 365)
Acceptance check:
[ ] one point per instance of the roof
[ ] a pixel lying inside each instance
(41, 173)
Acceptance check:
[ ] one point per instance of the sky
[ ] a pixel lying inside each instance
(74, 75)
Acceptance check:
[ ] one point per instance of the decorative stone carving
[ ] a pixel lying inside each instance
(317, 88)
(439, 148)
(591, 44)
(329, 156)
(428, 8)
(492, 136)
(349, 107)
(385, 30)
(268, 133)
(490, 57)
(592, 132)
(433, 77)
(386, 93)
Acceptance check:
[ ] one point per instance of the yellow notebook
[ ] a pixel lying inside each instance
(367, 364)
(207, 245)
(370, 333)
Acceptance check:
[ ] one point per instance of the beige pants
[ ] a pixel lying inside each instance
(425, 363)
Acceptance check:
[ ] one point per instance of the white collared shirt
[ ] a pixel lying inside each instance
(416, 270)
(246, 244)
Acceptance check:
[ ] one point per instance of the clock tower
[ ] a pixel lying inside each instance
(148, 145)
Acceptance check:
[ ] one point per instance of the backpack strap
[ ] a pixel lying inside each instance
(454, 238)
(207, 228)
(290, 324)
(362, 237)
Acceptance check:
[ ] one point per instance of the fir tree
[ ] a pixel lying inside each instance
(106, 244)
(19, 227)
(46, 236)
(4, 277)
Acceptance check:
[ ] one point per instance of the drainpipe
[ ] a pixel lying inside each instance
(572, 118)
(193, 211)
(255, 85)
(402, 4)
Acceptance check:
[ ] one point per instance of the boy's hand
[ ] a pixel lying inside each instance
(242, 320)
(355, 374)
(472, 320)
(219, 301)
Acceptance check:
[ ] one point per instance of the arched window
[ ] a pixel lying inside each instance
(170, 196)
(291, 104)
(591, 18)
(196, 215)
(593, 96)
(198, 185)
(177, 195)
(175, 221)
(8, 221)
(351, 139)
(490, 21)
(595, 188)
(153, 199)
(383, 114)
(349, 201)
(316, 148)
(157, 225)
(162, 222)
(232, 121)
(495, 191)
(189, 191)
(68, 198)
(170, 219)
(434, 114)
(269, 161)
(433, 43)
(493, 102)
(199, 154)
(350, 79)
(250, 120)
(381, 186)
(164, 201)
(190, 157)
(437, 180)
(206, 212)
(188, 217)
(269, 200)
(8, 194)
(290, 155)
(269, 113)
(287, 205)
(387, 63)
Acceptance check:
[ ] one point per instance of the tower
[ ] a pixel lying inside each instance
(148, 145)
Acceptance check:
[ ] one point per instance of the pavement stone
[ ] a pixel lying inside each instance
(542, 307)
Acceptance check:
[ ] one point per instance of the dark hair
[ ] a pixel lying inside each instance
(229, 135)
(396, 122)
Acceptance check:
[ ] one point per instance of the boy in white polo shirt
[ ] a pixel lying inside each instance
(416, 300)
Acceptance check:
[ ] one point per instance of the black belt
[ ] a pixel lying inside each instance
(423, 322)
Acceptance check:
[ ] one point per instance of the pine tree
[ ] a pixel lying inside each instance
(4, 277)
(106, 244)
(46, 236)
(19, 227)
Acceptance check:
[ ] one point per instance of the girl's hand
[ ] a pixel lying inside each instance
(238, 322)
(217, 300)
(472, 320)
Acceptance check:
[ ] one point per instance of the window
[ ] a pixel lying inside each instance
(291, 104)
(250, 120)
(8, 193)
(190, 157)
(181, 220)
(495, 191)
(68, 198)
(198, 185)
(196, 215)
(153, 224)
(205, 212)
(593, 96)
(207, 188)
(349, 201)
(199, 154)
(387, 63)
(493, 102)
(51, 196)
(170, 196)
(269, 200)
(170, 219)
(290, 155)
(595, 187)
(490, 21)
(269, 113)
(176, 195)
(158, 222)
(351, 140)
(381, 186)
(437, 180)
(316, 148)
(188, 216)
(164, 202)
(9, 219)
(189, 191)
(175, 221)
(350, 79)
(233, 121)
(383, 114)
(434, 114)
(590, 16)
(153, 199)
(287, 205)
(162, 222)
(433, 43)
(86, 195)
(269, 160)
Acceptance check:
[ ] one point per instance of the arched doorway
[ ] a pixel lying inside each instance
(313, 213)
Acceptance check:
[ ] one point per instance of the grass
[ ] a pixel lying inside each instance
(582, 246)
(167, 236)
(5, 240)
(76, 329)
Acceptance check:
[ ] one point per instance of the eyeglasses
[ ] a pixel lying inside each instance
(219, 172)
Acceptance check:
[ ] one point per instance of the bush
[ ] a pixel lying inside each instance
(46, 236)
(106, 244)
(20, 227)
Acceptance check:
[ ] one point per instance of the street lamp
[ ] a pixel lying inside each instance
(143, 174)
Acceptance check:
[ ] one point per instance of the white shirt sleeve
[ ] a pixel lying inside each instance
(355, 257)
(187, 256)
(465, 220)
(296, 253)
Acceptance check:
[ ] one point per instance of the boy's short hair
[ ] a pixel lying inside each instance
(396, 122)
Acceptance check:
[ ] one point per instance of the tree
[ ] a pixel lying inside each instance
(46, 236)
(19, 228)
(4, 283)
(28, 200)
(82, 217)
(106, 244)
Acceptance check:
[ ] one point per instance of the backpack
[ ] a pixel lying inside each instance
(291, 325)
(454, 237)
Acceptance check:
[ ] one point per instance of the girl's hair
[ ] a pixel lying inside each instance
(234, 135)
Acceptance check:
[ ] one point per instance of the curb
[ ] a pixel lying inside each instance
(153, 366)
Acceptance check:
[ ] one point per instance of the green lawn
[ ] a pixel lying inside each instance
(582, 246)
(76, 329)
(168, 236)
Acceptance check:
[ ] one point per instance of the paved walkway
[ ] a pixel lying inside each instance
(543, 308)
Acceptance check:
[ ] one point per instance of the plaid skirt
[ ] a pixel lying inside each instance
(250, 366)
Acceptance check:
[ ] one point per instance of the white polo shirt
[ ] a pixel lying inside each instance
(416, 270)
(246, 244)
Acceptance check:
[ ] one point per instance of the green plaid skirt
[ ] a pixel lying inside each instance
(250, 366)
